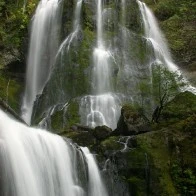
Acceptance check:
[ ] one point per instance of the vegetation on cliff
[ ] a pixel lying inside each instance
(14, 23)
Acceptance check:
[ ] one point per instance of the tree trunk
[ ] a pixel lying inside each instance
(6, 108)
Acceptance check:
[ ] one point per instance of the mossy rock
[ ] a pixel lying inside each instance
(10, 91)
(111, 144)
(63, 117)
(102, 132)
(131, 121)
(81, 138)
(181, 107)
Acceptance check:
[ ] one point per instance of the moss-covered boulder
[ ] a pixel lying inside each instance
(131, 121)
(102, 132)
(181, 107)
(82, 138)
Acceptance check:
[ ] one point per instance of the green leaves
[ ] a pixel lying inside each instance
(14, 22)
(166, 84)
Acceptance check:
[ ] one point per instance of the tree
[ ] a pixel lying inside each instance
(165, 85)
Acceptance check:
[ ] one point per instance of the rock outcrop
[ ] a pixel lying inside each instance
(131, 122)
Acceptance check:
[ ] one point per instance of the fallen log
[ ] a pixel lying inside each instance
(6, 108)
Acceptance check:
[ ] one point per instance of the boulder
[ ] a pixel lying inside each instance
(132, 122)
(102, 132)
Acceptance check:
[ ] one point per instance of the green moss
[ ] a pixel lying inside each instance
(72, 114)
(181, 107)
(10, 90)
(87, 16)
(111, 144)
(132, 17)
(57, 121)
(77, 61)
(185, 179)
(154, 145)
(81, 138)
(137, 186)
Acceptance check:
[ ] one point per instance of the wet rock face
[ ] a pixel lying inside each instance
(132, 122)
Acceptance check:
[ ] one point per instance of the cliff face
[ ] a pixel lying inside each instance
(14, 24)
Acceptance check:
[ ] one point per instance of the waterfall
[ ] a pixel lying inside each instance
(100, 110)
(76, 27)
(103, 107)
(155, 37)
(129, 69)
(108, 50)
(44, 42)
(96, 187)
(157, 41)
(36, 162)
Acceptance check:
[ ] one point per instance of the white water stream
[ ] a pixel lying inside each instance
(76, 27)
(44, 42)
(96, 186)
(156, 38)
(102, 108)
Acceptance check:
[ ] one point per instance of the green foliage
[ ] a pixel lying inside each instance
(72, 114)
(57, 121)
(184, 179)
(14, 22)
(166, 84)
(111, 144)
(181, 107)
(10, 91)
(2, 4)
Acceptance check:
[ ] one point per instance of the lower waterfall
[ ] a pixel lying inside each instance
(34, 162)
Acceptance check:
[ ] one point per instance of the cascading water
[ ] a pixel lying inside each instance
(36, 162)
(102, 80)
(60, 77)
(76, 27)
(96, 186)
(44, 42)
(157, 41)
(102, 108)
(129, 71)
(155, 37)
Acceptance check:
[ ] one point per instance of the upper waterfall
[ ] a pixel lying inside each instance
(108, 49)
(102, 108)
(44, 42)
(76, 27)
